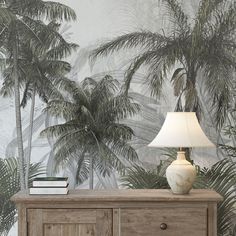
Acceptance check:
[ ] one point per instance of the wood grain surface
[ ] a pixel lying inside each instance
(179, 222)
(76, 222)
(157, 195)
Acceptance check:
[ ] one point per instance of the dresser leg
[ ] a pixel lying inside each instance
(212, 219)
(22, 220)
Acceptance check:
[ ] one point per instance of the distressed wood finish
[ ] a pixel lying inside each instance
(74, 216)
(116, 222)
(35, 224)
(185, 221)
(118, 213)
(69, 230)
(72, 222)
(22, 221)
(121, 195)
(104, 223)
(212, 219)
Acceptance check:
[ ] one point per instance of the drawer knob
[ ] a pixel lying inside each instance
(163, 226)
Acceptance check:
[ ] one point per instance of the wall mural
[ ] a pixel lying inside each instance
(86, 84)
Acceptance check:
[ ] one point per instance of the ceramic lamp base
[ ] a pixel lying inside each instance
(180, 175)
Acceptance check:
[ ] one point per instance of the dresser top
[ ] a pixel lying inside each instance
(120, 195)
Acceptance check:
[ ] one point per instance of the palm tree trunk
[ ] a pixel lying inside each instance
(28, 156)
(18, 116)
(50, 161)
(90, 172)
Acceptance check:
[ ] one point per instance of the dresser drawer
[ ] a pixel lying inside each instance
(163, 222)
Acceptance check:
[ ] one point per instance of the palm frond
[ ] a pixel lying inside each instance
(6, 16)
(230, 150)
(225, 26)
(180, 18)
(50, 10)
(61, 108)
(65, 149)
(206, 7)
(138, 177)
(82, 172)
(63, 157)
(137, 62)
(103, 166)
(46, 89)
(219, 88)
(25, 31)
(108, 159)
(116, 108)
(89, 83)
(107, 84)
(9, 185)
(178, 80)
(222, 178)
(58, 130)
(61, 51)
(159, 61)
(127, 41)
(73, 90)
(45, 39)
(56, 68)
(122, 148)
(116, 131)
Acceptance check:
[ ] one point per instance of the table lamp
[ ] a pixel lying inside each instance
(181, 130)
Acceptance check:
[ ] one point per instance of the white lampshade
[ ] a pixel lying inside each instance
(181, 129)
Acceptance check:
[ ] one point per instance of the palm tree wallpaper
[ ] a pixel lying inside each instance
(86, 84)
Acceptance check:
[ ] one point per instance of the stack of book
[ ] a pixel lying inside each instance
(49, 185)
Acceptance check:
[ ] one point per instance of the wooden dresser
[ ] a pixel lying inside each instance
(118, 213)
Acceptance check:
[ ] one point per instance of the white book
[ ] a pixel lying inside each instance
(50, 182)
(42, 190)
